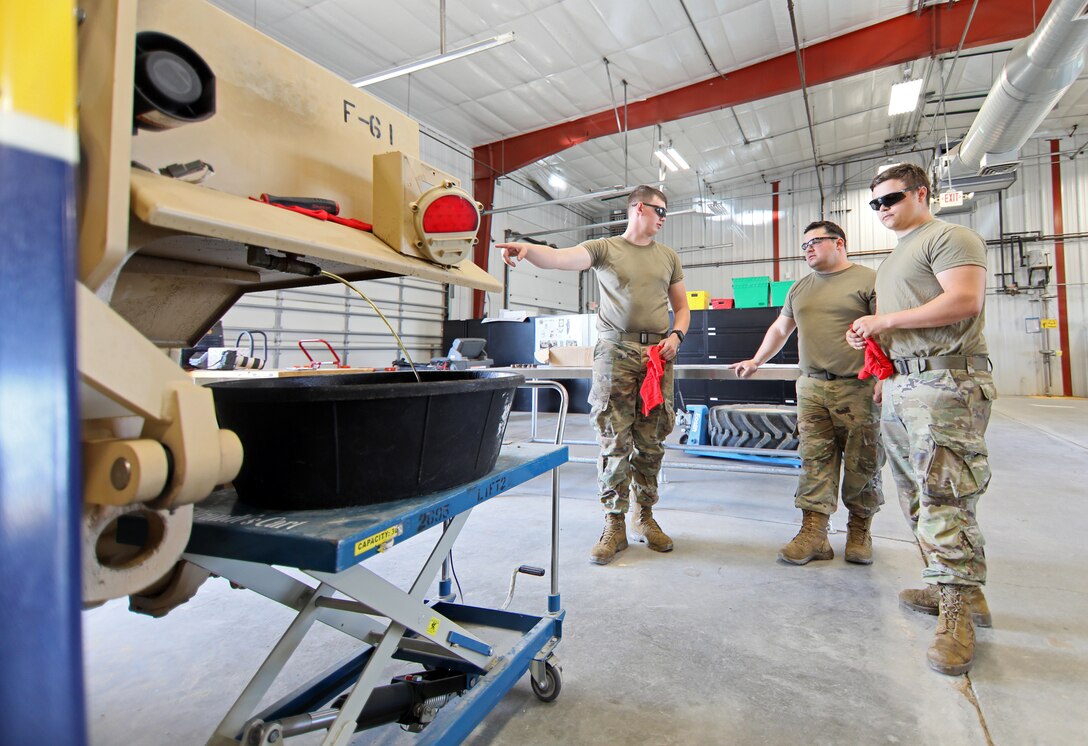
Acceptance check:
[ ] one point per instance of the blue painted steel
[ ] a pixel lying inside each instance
(497, 618)
(329, 540)
(456, 638)
(445, 589)
(459, 717)
(777, 460)
(700, 417)
(41, 676)
(553, 603)
(319, 690)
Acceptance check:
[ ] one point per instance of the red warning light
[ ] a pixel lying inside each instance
(451, 213)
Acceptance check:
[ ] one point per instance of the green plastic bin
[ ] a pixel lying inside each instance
(779, 291)
(751, 292)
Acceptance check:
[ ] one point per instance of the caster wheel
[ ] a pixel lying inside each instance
(554, 683)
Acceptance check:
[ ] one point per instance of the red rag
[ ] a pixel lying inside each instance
(876, 362)
(651, 385)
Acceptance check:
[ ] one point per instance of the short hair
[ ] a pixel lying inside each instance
(912, 176)
(643, 193)
(828, 226)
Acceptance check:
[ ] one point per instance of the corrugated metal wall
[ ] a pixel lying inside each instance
(528, 288)
(716, 249)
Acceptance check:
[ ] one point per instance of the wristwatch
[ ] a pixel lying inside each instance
(679, 334)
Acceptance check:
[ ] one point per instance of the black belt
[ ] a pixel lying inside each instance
(823, 374)
(908, 365)
(643, 338)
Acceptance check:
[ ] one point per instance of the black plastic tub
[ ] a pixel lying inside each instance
(329, 441)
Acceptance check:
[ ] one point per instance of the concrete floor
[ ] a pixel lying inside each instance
(716, 642)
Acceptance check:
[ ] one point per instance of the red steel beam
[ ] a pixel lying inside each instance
(892, 42)
(1059, 266)
(776, 247)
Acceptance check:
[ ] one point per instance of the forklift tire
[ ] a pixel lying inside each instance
(554, 685)
(754, 426)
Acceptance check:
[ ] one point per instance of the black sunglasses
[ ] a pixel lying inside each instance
(659, 210)
(889, 199)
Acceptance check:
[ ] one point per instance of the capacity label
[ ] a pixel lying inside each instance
(378, 540)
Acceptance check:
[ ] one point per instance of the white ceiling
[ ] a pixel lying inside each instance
(554, 71)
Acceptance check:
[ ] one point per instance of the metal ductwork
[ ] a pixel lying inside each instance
(1037, 73)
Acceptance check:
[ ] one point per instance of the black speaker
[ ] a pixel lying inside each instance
(172, 86)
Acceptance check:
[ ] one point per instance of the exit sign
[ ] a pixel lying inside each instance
(951, 199)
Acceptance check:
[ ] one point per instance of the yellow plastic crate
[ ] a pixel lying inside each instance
(698, 300)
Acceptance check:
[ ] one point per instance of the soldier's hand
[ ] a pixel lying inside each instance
(878, 392)
(864, 328)
(745, 368)
(669, 346)
(512, 253)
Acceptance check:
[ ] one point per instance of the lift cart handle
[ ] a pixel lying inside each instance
(317, 364)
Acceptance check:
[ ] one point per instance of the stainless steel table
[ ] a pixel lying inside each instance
(770, 372)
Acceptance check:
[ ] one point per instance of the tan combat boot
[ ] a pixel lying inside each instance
(811, 541)
(613, 539)
(645, 529)
(927, 601)
(953, 648)
(859, 542)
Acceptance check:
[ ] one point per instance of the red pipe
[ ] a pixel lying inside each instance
(775, 240)
(483, 189)
(1059, 266)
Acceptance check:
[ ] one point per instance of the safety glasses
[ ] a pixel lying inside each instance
(661, 211)
(813, 241)
(889, 199)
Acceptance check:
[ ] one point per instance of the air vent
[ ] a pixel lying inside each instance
(999, 163)
(1000, 168)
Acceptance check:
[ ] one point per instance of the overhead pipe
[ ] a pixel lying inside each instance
(1037, 73)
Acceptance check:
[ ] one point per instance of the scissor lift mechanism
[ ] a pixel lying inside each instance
(247, 546)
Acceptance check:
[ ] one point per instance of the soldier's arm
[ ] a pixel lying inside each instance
(963, 292)
(773, 340)
(545, 257)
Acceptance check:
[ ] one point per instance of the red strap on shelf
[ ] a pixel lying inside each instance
(322, 215)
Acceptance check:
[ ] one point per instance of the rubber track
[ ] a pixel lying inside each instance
(754, 426)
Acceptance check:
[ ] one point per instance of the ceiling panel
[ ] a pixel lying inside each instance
(555, 71)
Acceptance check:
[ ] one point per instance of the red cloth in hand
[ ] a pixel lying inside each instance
(651, 385)
(876, 362)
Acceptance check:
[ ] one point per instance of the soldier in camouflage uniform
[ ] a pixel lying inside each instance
(931, 291)
(639, 279)
(838, 419)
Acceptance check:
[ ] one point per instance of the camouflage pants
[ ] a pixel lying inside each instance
(839, 426)
(632, 444)
(934, 425)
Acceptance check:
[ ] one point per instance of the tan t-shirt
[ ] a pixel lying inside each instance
(907, 279)
(824, 305)
(635, 283)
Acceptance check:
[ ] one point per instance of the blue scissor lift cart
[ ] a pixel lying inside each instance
(463, 659)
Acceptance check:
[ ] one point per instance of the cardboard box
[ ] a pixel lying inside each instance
(571, 357)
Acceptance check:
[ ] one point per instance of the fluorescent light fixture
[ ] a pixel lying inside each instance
(455, 54)
(555, 181)
(660, 154)
(904, 98)
(677, 158)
